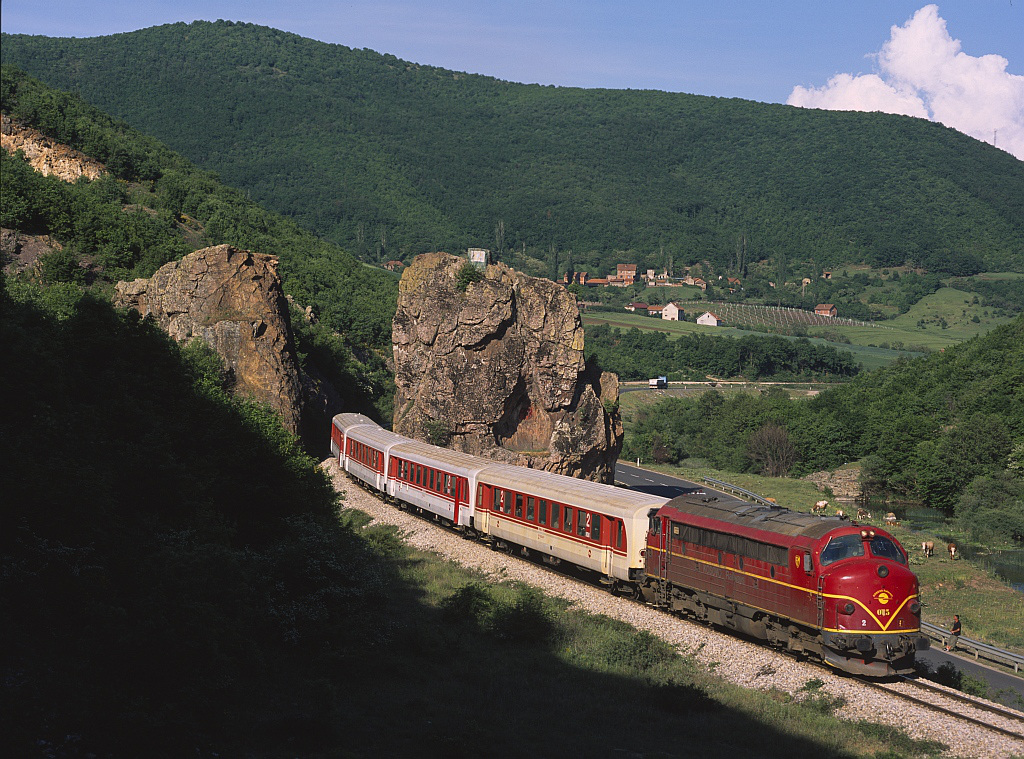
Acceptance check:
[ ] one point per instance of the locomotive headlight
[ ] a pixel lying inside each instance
(847, 609)
(915, 607)
(883, 571)
(863, 534)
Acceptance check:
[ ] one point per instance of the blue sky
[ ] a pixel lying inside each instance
(756, 50)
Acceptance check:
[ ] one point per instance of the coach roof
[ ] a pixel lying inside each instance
(570, 490)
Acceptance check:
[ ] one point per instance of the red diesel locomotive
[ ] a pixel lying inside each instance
(817, 585)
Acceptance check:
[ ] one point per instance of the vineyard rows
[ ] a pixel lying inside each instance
(734, 314)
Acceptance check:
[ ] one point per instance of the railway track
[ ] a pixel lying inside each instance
(969, 728)
(1010, 722)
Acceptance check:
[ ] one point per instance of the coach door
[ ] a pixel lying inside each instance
(659, 540)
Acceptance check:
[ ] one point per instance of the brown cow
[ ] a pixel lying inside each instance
(819, 507)
(863, 514)
(928, 547)
(952, 551)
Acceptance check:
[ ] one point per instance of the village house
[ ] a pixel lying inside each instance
(655, 311)
(597, 282)
(394, 265)
(709, 319)
(826, 275)
(734, 281)
(636, 307)
(698, 282)
(625, 275)
(670, 312)
(479, 257)
(825, 309)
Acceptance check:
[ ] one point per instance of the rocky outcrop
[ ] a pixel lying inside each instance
(844, 483)
(46, 155)
(232, 300)
(21, 252)
(496, 369)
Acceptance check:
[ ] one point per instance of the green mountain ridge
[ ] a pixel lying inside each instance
(391, 158)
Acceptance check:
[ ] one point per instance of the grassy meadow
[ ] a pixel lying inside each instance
(937, 321)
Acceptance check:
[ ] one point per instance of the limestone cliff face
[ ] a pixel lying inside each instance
(232, 300)
(45, 155)
(500, 368)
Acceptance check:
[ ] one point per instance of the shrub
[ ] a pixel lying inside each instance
(468, 274)
(525, 620)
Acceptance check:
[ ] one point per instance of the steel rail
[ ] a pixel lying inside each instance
(952, 712)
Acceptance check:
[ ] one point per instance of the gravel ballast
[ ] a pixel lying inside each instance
(737, 661)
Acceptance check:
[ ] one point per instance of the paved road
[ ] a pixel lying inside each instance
(1003, 687)
(652, 482)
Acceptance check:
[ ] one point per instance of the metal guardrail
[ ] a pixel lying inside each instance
(736, 490)
(979, 649)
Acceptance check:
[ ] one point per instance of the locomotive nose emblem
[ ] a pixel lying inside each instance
(883, 597)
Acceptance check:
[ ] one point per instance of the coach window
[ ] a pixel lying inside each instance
(655, 526)
(498, 497)
(556, 513)
(543, 509)
(595, 528)
(619, 531)
(529, 508)
(567, 523)
(508, 502)
(519, 504)
(448, 484)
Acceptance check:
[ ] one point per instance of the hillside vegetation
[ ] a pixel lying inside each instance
(155, 206)
(392, 158)
(945, 429)
(174, 572)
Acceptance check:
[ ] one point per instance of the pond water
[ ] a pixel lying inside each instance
(1008, 564)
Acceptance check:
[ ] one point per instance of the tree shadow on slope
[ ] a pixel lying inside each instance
(176, 581)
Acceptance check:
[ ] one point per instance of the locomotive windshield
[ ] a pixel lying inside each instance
(842, 547)
(884, 548)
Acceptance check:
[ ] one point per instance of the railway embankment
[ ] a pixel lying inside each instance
(732, 660)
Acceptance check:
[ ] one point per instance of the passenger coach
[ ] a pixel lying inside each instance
(601, 528)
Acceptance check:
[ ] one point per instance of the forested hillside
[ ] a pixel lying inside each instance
(392, 158)
(946, 429)
(154, 206)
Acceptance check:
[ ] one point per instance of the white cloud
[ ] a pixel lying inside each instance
(923, 72)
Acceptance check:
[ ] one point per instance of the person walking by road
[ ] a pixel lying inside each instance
(954, 633)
